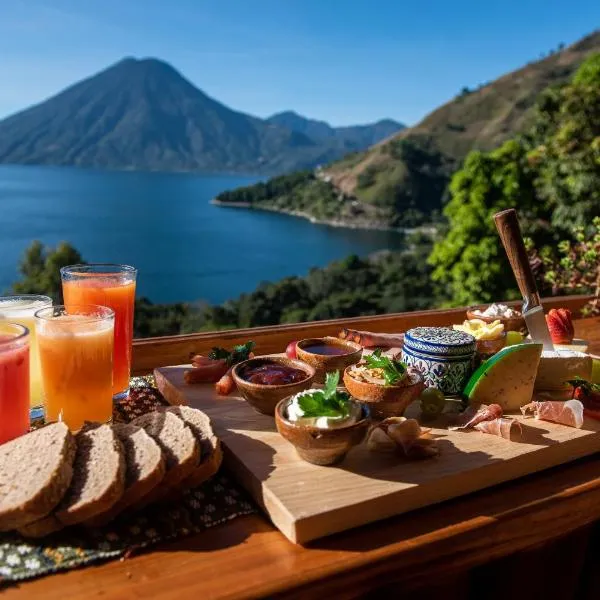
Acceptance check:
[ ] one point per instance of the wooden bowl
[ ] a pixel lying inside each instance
(317, 445)
(510, 323)
(325, 363)
(489, 347)
(263, 398)
(385, 400)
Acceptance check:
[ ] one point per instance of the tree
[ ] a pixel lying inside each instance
(40, 269)
(551, 175)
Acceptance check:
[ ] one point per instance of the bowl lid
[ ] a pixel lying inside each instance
(439, 340)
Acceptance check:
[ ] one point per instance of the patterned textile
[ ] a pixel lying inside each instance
(216, 501)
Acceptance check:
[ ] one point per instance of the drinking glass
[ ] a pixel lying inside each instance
(76, 352)
(20, 309)
(14, 380)
(112, 286)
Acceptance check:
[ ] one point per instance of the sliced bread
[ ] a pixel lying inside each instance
(145, 469)
(99, 475)
(179, 446)
(211, 454)
(35, 473)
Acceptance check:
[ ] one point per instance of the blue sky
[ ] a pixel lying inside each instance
(344, 61)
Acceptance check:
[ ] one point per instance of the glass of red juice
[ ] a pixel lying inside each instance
(14, 381)
(112, 286)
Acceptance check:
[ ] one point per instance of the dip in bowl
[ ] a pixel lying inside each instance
(328, 354)
(264, 381)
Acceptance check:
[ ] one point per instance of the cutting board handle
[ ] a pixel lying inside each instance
(508, 227)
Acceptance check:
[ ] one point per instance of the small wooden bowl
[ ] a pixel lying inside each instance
(510, 323)
(489, 347)
(326, 363)
(316, 445)
(385, 400)
(264, 398)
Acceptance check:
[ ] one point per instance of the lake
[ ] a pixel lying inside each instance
(163, 223)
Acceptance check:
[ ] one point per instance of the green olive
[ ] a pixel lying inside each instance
(432, 402)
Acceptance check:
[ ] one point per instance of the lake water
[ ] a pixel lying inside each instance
(184, 248)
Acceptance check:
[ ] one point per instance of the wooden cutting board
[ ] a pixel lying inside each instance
(307, 501)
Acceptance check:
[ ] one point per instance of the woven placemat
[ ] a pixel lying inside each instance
(216, 501)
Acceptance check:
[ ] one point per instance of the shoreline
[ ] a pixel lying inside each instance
(314, 220)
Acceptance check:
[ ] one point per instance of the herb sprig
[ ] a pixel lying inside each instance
(238, 354)
(588, 386)
(328, 402)
(393, 370)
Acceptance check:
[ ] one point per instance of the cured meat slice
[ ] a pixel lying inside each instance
(225, 385)
(372, 340)
(205, 370)
(566, 413)
(484, 413)
(503, 427)
(406, 435)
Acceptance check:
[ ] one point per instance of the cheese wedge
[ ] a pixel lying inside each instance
(558, 366)
(507, 378)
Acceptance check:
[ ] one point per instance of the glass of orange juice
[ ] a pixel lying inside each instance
(20, 309)
(14, 380)
(112, 286)
(76, 352)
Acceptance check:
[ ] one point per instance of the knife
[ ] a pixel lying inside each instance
(508, 227)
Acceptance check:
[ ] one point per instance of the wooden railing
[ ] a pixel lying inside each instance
(172, 350)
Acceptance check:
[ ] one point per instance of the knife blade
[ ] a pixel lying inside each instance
(509, 230)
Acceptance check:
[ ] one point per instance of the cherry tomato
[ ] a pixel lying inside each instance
(290, 351)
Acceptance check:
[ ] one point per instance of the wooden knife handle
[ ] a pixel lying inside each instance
(512, 239)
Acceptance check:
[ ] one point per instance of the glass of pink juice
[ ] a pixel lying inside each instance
(14, 381)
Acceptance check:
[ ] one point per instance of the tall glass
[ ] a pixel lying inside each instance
(112, 286)
(20, 309)
(14, 380)
(76, 351)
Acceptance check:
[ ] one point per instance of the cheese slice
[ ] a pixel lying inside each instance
(507, 378)
(558, 366)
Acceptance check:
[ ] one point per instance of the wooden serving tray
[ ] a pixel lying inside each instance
(307, 502)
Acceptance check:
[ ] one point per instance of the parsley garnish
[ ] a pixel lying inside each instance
(393, 370)
(327, 402)
(588, 386)
(237, 355)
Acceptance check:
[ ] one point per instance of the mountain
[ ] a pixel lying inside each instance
(354, 137)
(402, 180)
(143, 114)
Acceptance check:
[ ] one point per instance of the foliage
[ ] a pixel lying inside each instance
(551, 175)
(576, 270)
(40, 269)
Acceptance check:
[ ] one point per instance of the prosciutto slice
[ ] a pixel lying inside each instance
(484, 413)
(205, 370)
(503, 427)
(372, 340)
(406, 435)
(566, 413)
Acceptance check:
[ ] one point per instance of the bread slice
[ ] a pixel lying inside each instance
(99, 475)
(35, 472)
(211, 454)
(145, 469)
(41, 527)
(179, 446)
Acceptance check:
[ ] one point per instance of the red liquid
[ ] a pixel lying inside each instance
(14, 391)
(327, 349)
(273, 374)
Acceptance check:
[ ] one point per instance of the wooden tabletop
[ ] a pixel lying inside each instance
(248, 558)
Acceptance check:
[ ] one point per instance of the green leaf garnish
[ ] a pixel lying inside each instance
(580, 382)
(238, 354)
(328, 402)
(393, 370)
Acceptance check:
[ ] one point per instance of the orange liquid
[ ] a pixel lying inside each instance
(119, 297)
(77, 372)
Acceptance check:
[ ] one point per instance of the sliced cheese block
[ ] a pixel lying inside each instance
(577, 345)
(558, 366)
(507, 378)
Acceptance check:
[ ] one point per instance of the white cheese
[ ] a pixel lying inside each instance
(296, 414)
(558, 366)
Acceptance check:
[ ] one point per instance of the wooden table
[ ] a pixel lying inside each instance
(537, 537)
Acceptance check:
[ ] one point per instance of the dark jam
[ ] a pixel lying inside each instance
(326, 349)
(274, 374)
